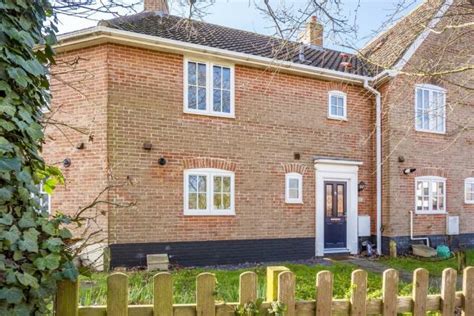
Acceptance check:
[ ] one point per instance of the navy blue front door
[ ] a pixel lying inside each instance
(335, 214)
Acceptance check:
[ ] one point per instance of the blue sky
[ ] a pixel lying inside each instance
(242, 14)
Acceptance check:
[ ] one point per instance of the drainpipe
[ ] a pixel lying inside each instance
(411, 232)
(378, 141)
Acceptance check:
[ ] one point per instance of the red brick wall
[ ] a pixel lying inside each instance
(448, 155)
(276, 116)
(78, 115)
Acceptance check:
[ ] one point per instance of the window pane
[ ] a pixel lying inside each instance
(202, 184)
(293, 193)
(191, 97)
(217, 184)
(340, 200)
(226, 101)
(191, 73)
(202, 201)
(293, 183)
(202, 98)
(192, 201)
(218, 201)
(226, 187)
(419, 203)
(202, 75)
(226, 201)
(192, 187)
(340, 102)
(340, 111)
(226, 78)
(333, 100)
(329, 200)
(334, 110)
(216, 97)
(216, 77)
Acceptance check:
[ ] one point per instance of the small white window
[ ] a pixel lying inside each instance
(469, 191)
(293, 188)
(208, 192)
(43, 199)
(337, 105)
(209, 88)
(430, 195)
(430, 109)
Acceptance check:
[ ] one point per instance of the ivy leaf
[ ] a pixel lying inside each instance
(29, 241)
(54, 244)
(6, 219)
(9, 164)
(19, 75)
(70, 272)
(11, 295)
(27, 279)
(6, 193)
(11, 235)
(51, 261)
(27, 221)
(64, 233)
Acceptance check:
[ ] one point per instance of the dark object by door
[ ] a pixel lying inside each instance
(335, 215)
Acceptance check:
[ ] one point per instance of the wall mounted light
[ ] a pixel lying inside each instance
(297, 156)
(162, 161)
(401, 159)
(80, 146)
(67, 162)
(361, 186)
(408, 171)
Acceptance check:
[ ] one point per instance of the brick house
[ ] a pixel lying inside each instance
(234, 146)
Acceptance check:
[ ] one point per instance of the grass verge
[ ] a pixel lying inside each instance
(93, 290)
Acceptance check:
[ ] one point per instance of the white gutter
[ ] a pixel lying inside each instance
(378, 162)
(106, 34)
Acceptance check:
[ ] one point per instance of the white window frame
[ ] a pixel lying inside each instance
(288, 177)
(431, 179)
(209, 111)
(431, 89)
(338, 94)
(209, 173)
(466, 182)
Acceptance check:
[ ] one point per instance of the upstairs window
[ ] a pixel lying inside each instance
(337, 108)
(430, 109)
(209, 89)
(208, 192)
(469, 191)
(293, 188)
(430, 195)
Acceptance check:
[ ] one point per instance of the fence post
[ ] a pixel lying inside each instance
(205, 288)
(286, 291)
(247, 287)
(67, 298)
(272, 282)
(420, 291)
(324, 293)
(117, 294)
(390, 292)
(448, 292)
(468, 291)
(359, 292)
(162, 294)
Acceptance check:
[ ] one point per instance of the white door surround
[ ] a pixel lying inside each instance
(337, 170)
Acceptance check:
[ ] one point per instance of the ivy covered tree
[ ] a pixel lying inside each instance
(33, 245)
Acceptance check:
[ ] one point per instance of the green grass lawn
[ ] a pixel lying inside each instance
(435, 268)
(93, 290)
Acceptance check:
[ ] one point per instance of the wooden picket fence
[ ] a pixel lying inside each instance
(447, 303)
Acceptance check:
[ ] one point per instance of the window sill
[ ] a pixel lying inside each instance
(469, 202)
(293, 202)
(212, 114)
(207, 213)
(337, 118)
(431, 213)
(430, 131)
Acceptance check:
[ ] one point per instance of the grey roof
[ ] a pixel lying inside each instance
(202, 33)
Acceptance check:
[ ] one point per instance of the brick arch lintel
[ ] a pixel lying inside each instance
(294, 167)
(206, 162)
(432, 171)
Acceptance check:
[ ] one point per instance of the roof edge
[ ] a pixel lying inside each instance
(103, 34)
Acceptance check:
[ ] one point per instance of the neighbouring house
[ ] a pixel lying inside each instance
(215, 145)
